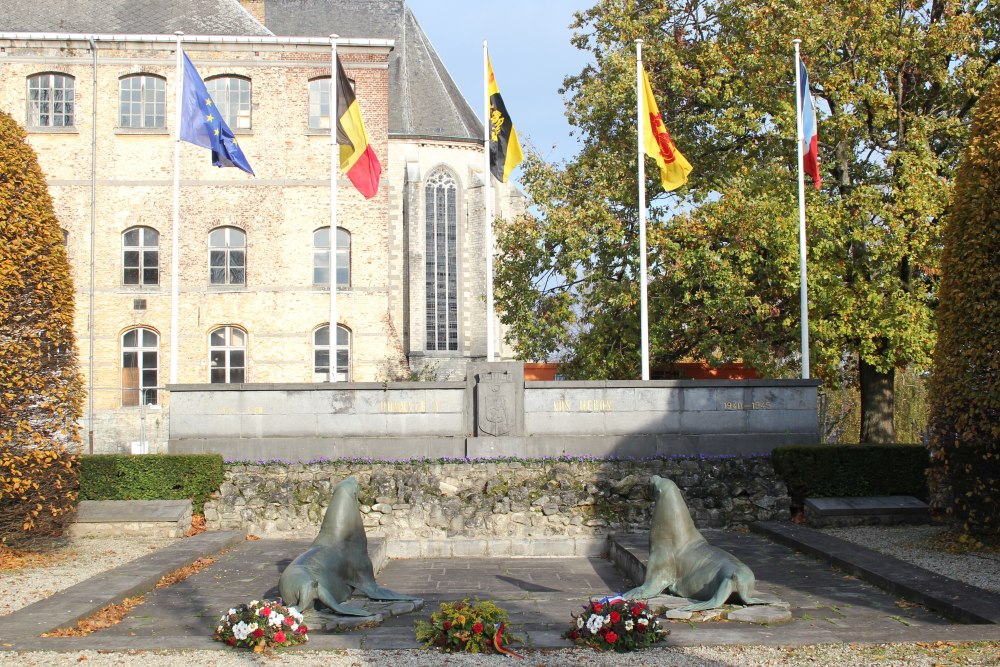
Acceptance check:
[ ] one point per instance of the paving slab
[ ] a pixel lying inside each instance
(138, 577)
(540, 594)
(955, 599)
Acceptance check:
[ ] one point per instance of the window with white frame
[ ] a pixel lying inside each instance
(321, 257)
(141, 256)
(231, 95)
(441, 261)
(140, 367)
(227, 256)
(51, 100)
(321, 354)
(319, 103)
(142, 101)
(227, 355)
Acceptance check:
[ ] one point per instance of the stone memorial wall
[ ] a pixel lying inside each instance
(497, 499)
(495, 413)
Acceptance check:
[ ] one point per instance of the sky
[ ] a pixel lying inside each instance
(529, 44)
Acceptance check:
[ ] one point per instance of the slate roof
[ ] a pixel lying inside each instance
(424, 100)
(142, 17)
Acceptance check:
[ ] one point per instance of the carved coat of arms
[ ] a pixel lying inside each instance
(494, 403)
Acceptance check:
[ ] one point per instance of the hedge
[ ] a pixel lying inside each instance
(151, 477)
(826, 471)
(38, 490)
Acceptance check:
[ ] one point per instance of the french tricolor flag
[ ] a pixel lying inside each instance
(809, 150)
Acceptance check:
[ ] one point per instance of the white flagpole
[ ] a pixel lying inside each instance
(176, 246)
(803, 289)
(334, 169)
(640, 133)
(488, 205)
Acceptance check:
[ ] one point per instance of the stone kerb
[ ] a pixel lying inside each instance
(496, 500)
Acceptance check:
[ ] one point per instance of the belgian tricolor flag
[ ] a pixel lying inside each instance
(505, 149)
(357, 159)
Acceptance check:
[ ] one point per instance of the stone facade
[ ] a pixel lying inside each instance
(572, 499)
(125, 176)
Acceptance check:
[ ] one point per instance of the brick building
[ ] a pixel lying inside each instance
(94, 86)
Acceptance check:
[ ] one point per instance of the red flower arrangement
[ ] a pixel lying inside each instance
(616, 624)
(261, 626)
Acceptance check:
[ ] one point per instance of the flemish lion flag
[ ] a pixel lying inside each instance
(674, 168)
(505, 149)
(357, 159)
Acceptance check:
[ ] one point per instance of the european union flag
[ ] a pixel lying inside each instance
(202, 124)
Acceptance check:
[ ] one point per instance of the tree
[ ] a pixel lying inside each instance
(897, 82)
(965, 384)
(41, 390)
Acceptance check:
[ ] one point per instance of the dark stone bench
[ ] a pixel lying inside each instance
(148, 518)
(865, 511)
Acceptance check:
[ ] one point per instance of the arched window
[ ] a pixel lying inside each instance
(321, 354)
(140, 367)
(227, 256)
(231, 95)
(441, 268)
(142, 101)
(321, 257)
(51, 100)
(319, 103)
(227, 355)
(141, 256)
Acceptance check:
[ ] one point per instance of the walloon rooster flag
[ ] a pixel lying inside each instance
(674, 168)
(357, 159)
(809, 150)
(203, 125)
(505, 149)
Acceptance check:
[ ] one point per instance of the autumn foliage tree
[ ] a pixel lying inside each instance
(895, 82)
(965, 383)
(41, 390)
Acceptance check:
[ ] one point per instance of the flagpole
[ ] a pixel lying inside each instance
(175, 232)
(803, 289)
(334, 168)
(487, 204)
(640, 133)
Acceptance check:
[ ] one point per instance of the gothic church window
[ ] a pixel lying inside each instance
(231, 95)
(321, 354)
(142, 101)
(141, 256)
(227, 256)
(321, 257)
(140, 367)
(227, 352)
(441, 264)
(51, 100)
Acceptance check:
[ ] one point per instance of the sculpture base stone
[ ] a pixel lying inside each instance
(328, 622)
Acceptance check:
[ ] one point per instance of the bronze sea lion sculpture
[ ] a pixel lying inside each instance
(683, 563)
(337, 563)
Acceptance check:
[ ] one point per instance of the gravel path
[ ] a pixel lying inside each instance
(915, 544)
(85, 557)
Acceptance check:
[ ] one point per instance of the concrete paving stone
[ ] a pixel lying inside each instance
(763, 614)
(540, 596)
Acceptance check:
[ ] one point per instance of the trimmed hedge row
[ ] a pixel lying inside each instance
(826, 471)
(152, 477)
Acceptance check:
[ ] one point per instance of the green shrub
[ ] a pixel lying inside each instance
(153, 477)
(853, 470)
(38, 491)
(965, 382)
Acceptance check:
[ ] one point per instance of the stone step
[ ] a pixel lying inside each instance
(148, 518)
(876, 510)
